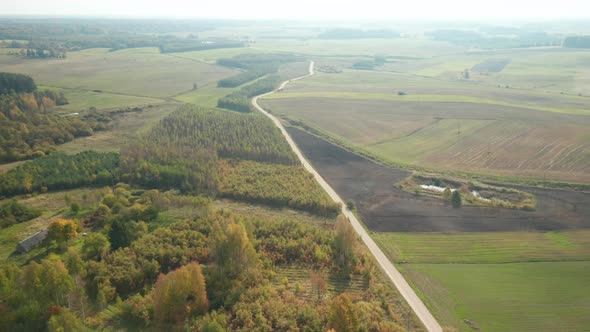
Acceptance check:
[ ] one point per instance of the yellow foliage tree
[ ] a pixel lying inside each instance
(179, 295)
(344, 317)
(62, 230)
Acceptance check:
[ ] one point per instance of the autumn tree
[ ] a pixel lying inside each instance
(47, 282)
(179, 295)
(236, 262)
(62, 230)
(63, 319)
(319, 285)
(95, 246)
(343, 316)
(345, 242)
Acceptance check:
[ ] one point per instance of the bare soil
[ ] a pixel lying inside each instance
(385, 208)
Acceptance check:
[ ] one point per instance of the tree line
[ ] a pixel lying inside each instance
(60, 171)
(577, 42)
(239, 101)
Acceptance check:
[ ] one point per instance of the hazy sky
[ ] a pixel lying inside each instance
(302, 9)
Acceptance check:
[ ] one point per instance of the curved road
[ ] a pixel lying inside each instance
(398, 280)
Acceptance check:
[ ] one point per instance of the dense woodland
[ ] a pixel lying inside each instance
(53, 38)
(198, 151)
(29, 128)
(214, 271)
(577, 42)
(275, 185)
(60, 171)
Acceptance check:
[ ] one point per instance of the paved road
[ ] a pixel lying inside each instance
(398, 280)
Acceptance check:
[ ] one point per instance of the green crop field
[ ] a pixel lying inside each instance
(497, 247)
(506, 281)
(544, 296)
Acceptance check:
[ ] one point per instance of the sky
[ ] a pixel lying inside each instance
(305, 9)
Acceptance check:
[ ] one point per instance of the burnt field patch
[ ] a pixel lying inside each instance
(385, 208)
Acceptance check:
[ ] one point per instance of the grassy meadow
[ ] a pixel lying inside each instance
(503, 281)
(141, 72)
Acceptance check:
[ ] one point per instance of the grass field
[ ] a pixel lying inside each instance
(496, 247)
(125, 128)
(142, 72)
(545, 296)
(505, 281)
(83, 100)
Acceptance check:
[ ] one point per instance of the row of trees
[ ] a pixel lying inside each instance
(239, 101)
(577, 42)
(16, 83)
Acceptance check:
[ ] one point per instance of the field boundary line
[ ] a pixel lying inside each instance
(392, 273)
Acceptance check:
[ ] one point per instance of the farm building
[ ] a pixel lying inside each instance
(28, 243)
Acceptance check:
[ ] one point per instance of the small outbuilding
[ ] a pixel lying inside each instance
(27, 244)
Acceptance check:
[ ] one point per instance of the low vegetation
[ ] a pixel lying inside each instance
(13, 212)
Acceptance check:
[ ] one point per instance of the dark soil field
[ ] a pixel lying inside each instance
(386, 208)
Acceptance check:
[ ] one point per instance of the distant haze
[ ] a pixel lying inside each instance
(306, 9)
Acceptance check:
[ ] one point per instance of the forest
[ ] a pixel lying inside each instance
(214, 271)
(53, 38)
(29, 128)
(194, 150)
(60, 171)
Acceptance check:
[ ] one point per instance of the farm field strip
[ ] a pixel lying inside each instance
(496, 247)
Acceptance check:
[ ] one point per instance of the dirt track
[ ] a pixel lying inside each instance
(385, 208)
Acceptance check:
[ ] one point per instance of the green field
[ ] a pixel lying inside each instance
(507, 281)
(83, 100)
(545, 296)
(497, 247)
